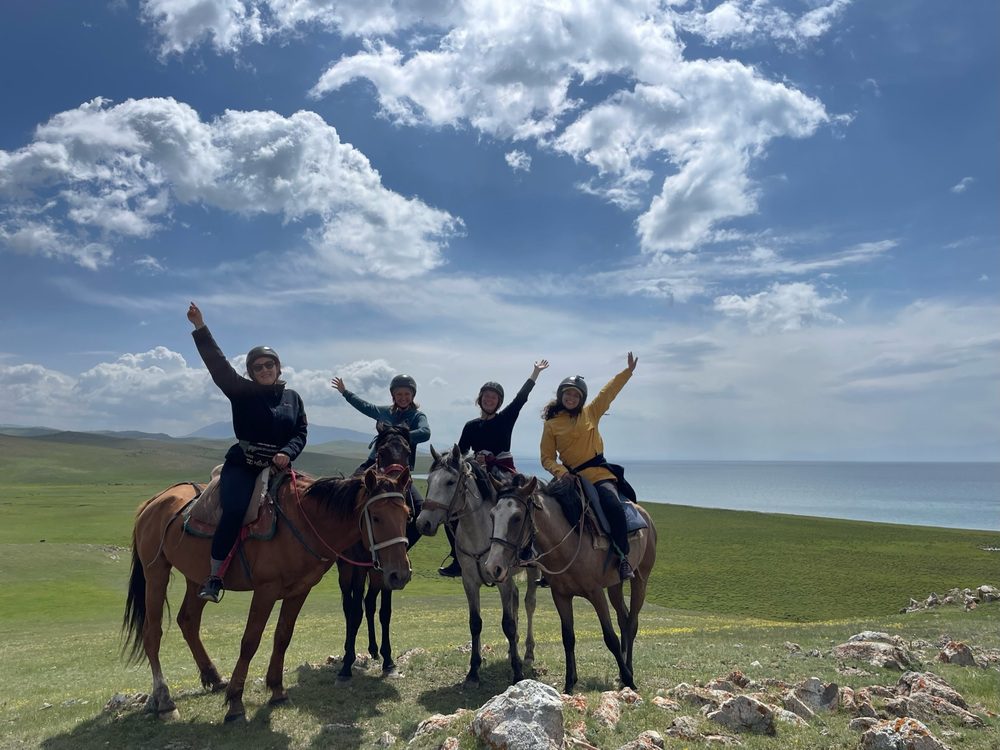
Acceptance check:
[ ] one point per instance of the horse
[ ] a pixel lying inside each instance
(392, 455)
(468, 500)
(526, 519)
(316, 519)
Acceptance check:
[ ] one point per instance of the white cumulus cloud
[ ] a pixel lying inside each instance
(782, 307)
(518, 160)
(102, 172)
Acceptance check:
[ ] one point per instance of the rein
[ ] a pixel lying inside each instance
(365, 516)
(530, 532)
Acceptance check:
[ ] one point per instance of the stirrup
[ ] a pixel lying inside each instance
(212, 589)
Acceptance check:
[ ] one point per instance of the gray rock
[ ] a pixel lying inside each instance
(928, 682)
(862, 723)
(876, 653)
(900, 734)
(527, 716)
(817, 696)
(684, 728)
(875, 636)
(648, 740)
(927, 707)
(744, 714)
(956, 652)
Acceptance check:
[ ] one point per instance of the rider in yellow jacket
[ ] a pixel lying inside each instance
(570, 438)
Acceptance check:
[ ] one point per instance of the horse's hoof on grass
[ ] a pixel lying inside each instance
(279, 700)
(241, 717)
(170, 714)
(470, 685)
(342, 681)
(392, 674)
(219, 686)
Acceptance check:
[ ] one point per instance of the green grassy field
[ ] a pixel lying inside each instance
(729, 589)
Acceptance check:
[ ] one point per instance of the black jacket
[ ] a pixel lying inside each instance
(268, 414)
(494, 435)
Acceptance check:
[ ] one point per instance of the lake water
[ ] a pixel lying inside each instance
(954, 495)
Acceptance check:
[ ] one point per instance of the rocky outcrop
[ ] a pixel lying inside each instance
(744, 714)
(527, 716)
(968, 599)
(956, 652)
(879, 653)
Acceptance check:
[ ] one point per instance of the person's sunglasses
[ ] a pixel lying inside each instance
(261, 366)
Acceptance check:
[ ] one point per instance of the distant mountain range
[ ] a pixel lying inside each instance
(318, 434)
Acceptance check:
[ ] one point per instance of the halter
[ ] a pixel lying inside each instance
(366, 517)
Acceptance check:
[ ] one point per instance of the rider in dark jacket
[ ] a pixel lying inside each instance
(489, 435)
(270, 424)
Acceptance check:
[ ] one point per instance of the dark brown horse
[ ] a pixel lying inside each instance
(317, 520)
(392, 455)
(525, 519)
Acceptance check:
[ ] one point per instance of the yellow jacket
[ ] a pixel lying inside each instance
(576, 439)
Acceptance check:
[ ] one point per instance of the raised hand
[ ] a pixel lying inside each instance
(195, 316)
(542, 364)
(632, 362)
(338, 384)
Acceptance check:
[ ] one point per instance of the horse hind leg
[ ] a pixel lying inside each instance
(287, 617)
(600, 603)
(189, 621)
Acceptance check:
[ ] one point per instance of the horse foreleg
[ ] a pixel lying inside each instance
(564, 606)
(509, 605)
(260, 609)
(157, 577)
(385, 619)
(289, 613)
(530, 599)
(370, 601)
(189, 621)
(600, 602)
(616, 594)
(351, 590)
(471, 585)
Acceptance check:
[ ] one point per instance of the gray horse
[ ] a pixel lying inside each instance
(456, 494)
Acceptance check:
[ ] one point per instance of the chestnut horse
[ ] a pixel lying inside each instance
(392, 455)
(525, 519)
(456, 495)
(317, 519)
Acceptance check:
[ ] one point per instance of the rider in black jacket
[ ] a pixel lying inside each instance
(270, 425)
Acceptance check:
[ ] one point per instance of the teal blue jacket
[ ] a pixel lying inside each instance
(414, 419)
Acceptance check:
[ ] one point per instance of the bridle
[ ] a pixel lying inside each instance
(529, 532)
(454, 509)
(366, 519)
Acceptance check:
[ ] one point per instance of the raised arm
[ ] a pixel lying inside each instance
(369, 410)
(602, 402)
(514, 407)
(223, 374)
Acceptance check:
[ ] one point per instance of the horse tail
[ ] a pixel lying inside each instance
(135, 611)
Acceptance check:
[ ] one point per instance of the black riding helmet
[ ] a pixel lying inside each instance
(574, 381)
(262, 351)
(490, 386)
(403, 381)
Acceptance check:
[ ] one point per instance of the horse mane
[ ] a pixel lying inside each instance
(568, 497)
(486, 491)
(336, 494)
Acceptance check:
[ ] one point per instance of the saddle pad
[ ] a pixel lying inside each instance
(601, 530)
(203, 514)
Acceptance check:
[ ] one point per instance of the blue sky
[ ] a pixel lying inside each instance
(787, 210)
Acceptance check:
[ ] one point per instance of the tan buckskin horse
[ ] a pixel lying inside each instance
(317, 520)
(526, 519)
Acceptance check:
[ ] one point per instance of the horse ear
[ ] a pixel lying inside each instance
(434, 454)
(381, 426)
(529, 488)
(456, 453)
(497, 484)
(370, 480)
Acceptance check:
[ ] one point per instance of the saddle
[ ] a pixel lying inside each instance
(203, 513)
(594, 519)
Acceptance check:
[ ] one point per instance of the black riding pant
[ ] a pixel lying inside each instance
(416, 502)
(611, 503)
(237, 483)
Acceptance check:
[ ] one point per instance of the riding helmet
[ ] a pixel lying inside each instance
(574, 381)
(403, 381)
(262, 351)
(490, 386)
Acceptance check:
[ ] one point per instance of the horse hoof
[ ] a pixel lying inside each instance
(232, 718)
(170, 714)
(470, 685)
(342, 681)
(392, 673)
(279, 700)
(219, 686)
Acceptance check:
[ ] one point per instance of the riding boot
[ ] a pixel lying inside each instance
(452, 569)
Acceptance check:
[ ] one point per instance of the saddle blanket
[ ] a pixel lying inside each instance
(204, 512)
